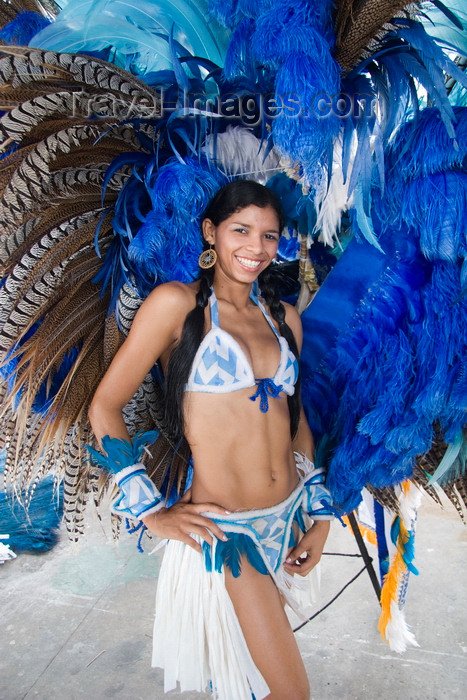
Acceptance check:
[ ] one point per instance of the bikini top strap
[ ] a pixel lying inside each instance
(214, 310)
(265, 313)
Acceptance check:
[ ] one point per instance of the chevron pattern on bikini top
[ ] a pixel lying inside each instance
(221, 366)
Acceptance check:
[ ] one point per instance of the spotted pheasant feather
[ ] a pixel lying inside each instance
(56, 227)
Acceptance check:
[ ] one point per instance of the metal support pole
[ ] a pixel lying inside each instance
(365, 555)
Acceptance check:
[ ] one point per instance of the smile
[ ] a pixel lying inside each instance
(251, 264)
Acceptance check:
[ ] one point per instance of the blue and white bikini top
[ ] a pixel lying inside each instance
(220, 365)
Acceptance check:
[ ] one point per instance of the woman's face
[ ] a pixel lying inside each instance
(246, 242)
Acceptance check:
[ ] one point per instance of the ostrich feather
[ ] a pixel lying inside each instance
(423, 147)
(292, 27)
(237, 152)
(232, 12)
(436, 207)
(307, 138)
(23, 27)
(179, 194)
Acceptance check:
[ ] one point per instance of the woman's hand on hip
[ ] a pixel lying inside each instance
(184, 519)
(304, 557)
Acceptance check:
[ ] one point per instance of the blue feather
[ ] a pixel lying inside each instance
(414, 33)
(136, 32)
(34, 528)
(364, 221)
(239, 59)
(436, 207)
(20, 31)
(424, 147)
(231, 12)
(392, 373)
(292, 27)
(119, 453)
(299, 209)
(230, 552)
(157, 239)
(306, 136)
(452, 17)
(180, 75)
(453, 464)
(168, 244)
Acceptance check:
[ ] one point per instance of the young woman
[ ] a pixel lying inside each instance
(231, 369)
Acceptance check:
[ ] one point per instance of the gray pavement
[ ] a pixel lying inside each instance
(77, 622)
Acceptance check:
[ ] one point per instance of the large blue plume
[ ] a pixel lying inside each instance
(394, 362)
(169, 242)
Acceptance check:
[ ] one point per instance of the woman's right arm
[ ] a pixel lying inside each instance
(155, 331)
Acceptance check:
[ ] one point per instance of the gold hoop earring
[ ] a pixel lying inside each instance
(207, 259)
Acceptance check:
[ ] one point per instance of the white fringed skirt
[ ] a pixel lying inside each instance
(197, 639)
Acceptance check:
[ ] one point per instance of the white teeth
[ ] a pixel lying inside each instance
(249, 263)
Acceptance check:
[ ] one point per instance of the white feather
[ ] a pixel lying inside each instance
(332, 201)
(409, 503)
(397, 633)
(238, 152)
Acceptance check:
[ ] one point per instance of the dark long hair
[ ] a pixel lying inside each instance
(231, 198)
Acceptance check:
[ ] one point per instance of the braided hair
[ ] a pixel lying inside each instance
(231, 198)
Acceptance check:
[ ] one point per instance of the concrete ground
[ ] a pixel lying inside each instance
(77, 623)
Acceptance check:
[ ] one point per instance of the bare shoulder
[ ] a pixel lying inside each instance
(293, 320)
(174, 298)
(162, 314)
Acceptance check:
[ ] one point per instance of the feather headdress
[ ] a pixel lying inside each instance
(110, 151)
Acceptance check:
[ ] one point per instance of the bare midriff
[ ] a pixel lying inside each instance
(243, 458)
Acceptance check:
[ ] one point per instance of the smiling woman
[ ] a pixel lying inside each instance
(247, 239)
(256, 511)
